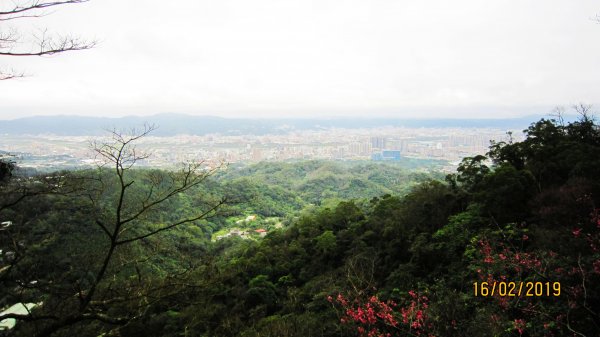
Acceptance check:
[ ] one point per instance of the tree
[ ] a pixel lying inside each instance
(111, 285)
(470, 172)
(14, 191)
(554, 152)
(7, 166)
(14, 43)
(326, 242)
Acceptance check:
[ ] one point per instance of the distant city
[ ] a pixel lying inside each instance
(448, 144)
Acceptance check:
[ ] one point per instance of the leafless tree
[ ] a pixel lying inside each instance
(14, 43)
(126, 204)
(584, 110)
(559, 113)
(360, 274)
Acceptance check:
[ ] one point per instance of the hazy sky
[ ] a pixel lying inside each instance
(314, 58)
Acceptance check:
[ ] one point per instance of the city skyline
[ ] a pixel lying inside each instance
(446, 145)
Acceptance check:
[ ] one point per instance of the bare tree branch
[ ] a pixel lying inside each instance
(12, 43)
(126, 203)
(201, 216)
(34, 5)
(50, 46)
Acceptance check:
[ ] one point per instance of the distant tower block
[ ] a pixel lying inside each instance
(378, 143)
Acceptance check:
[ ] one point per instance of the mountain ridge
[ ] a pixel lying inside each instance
(171, 124)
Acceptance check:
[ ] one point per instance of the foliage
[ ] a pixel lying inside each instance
(403, 258)
(7, 166)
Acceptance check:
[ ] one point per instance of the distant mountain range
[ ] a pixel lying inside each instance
(176, 124)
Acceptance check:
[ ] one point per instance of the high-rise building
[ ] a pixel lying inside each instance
(378, 143)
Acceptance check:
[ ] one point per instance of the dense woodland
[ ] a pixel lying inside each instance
(364, 250)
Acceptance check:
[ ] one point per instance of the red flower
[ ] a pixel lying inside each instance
(520, 325)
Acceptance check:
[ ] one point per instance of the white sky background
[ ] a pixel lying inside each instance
(314, 58)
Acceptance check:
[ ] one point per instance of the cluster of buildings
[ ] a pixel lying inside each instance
(243, 234)
(387, 144)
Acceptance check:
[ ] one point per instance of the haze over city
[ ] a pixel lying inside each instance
(323, 58)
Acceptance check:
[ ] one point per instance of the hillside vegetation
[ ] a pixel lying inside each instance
(364, 250)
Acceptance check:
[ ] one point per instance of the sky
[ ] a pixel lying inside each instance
(312, 58)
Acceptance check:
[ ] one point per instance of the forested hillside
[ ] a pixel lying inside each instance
(363, 250)
(316, 181)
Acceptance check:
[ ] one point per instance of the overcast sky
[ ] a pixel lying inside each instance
(307, 58)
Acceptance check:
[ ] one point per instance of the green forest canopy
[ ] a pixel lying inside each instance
(404, 246)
